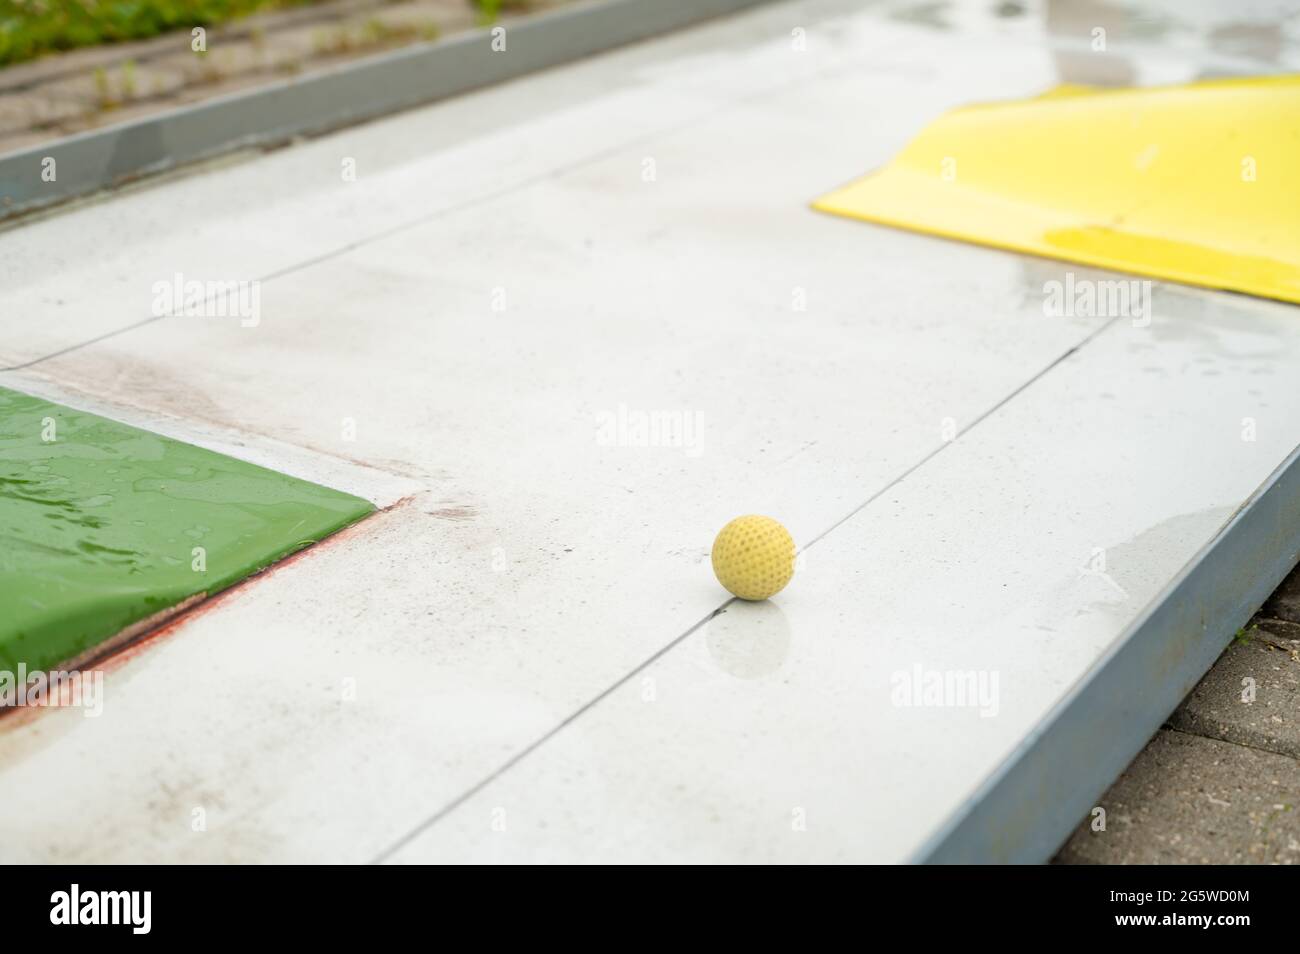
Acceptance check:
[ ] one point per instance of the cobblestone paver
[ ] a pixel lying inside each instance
(1191, 800)
(1251, 696)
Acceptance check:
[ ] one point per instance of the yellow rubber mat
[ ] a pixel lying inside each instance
(1197, 184)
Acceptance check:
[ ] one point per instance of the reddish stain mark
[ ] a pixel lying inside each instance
(120, 655)
(117, 651)
(454, 513)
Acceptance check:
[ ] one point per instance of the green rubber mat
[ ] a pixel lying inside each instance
(103, 525)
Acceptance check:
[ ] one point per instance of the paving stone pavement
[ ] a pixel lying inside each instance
(1191, 800)
(1220, 782)
(1250, 697)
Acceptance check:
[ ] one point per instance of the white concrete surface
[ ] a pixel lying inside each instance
(499, 276)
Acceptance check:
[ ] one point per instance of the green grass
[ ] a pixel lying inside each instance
(490, 10)
(30, 28)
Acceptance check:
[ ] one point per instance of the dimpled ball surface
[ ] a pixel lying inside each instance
(753, 557)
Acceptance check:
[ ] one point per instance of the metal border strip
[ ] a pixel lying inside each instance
(353, 92)
(1029, 806)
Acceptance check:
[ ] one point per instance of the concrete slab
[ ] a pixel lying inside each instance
(297, 206)
(397, 667)
(512, 285)
(690, 773)
(1189, 800)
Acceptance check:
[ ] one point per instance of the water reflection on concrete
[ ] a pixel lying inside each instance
(749, 640)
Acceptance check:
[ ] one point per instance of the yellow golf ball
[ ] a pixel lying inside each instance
(753, 557)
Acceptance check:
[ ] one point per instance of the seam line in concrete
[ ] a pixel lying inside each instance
(677, 640)
(455, 209)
